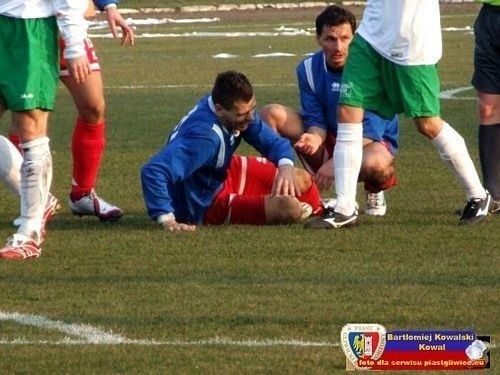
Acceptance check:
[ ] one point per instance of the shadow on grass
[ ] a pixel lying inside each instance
(131, 220)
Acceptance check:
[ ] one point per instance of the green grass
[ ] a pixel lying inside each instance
(413, 269)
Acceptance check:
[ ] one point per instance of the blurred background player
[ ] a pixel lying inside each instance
(195, 179)
(314, 129)
(88, 140)
(486, 81)
(392, 68)
(28, 84)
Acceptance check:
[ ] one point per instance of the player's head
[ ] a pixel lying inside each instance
(335, 27)
(234, 100)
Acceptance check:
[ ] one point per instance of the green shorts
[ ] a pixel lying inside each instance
(29, 63)
(372, 82)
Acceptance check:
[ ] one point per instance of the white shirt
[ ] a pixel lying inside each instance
(406, 32)
(69, 13)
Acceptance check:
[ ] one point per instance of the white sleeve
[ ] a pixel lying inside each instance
(72, 26)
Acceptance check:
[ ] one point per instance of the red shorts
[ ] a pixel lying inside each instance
(241, 200)
(91, 56)
(328, 147)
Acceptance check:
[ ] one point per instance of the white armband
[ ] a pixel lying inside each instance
(285, 161)
(112, 5)
(162, 219)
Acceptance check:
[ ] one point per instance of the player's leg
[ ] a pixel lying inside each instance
(378, 174)
(257, 176)
(309, 192)
(88, 142)
(36, 171)
(284, 120)
(10, 165)
(29, 116)
(489, 145)
(452, 149)
(486, 81)
(245, 197)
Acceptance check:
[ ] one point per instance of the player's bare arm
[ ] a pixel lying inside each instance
(310, 141)
(79, 68)
(324, 176)
(115, 21)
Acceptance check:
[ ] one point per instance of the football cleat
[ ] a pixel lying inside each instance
(375, 204)
(51, 208)
(20, 247)
(329, 202)
(333, 220)
(475, 210)
(91, 204)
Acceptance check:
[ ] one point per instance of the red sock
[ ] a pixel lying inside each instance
(312, 197)
(87, 148)
(16, 141)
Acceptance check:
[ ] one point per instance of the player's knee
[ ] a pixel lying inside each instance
(274, 115)
(377, 173)
(303, 180)
(289, 210)
(93, 113)
(429, 126)
(488, 112)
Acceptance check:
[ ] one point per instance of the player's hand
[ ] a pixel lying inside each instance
(284, 183)
(324, 176)
(79, 68)
(174, 226)
(308, 143)
(115, 21)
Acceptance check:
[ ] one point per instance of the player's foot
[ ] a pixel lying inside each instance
(476, 210)
(51, 208)
(375, 204)
(91, 204)
(333, 220)
(20, 247)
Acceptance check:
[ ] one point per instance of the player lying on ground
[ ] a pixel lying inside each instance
(194, 179)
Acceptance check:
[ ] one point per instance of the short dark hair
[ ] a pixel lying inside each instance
(229, 87)
(334, 15)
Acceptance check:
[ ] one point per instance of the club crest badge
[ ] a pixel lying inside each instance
(362, 343)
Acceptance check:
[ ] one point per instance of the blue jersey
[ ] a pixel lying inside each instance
(319, 97)
(186, 174)
(101, 4)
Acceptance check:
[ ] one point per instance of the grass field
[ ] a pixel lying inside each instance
(129, 298)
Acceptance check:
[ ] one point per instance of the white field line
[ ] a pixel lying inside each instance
(450, 94)
(135, 87)
(83, 334)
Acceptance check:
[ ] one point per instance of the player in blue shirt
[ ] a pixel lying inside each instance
(314, 129)
(184, 179)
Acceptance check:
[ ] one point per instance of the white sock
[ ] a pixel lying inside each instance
(453, 151)
(10, 165)
(36, 177)
(347, 157)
